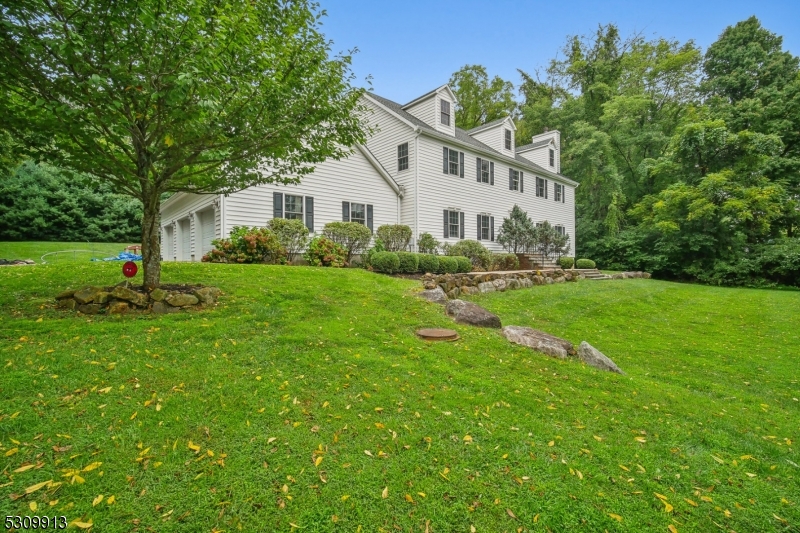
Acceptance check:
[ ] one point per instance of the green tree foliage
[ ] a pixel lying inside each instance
(292, 234)
(516, 231)
(196, 96)
(39, 202)
(353, 237)
(395, 237)
(480, 100)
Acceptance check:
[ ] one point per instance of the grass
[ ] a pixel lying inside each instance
(71, 252)
(258, 415)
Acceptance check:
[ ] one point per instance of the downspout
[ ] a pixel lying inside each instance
(416, 188)
(222, 216)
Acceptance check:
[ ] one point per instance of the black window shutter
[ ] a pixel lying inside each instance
(479, 169)
(446, 224)
(277, 205)
(521, 182)
(461, 164)
(445, 161)
(345, 211)
(563, 194)
(369, 217)
(479, 227)
(491, 228)
(491, 173)
(461, 216)
(545, 189)
(510, 179)
(310, 214)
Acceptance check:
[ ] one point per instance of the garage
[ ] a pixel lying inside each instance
(207, 231)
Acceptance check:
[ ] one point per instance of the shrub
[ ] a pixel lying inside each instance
(247, 245)
(387, 262)
(322, 251)
(427, 244)
(394, 236)
(351, 236)
(367, 257)
(566, 261)
(448, 264)
(585, 263)
(428, 263)
(505, 262)
(409, 262)
(292, 234)
(475, 251)
(464, 264)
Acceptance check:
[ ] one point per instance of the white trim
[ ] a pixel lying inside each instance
(382, 171)
(431, 94)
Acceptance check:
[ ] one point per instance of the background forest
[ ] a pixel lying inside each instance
(688, 162)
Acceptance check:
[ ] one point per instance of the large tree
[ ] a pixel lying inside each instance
(199, 96)
(480, 100)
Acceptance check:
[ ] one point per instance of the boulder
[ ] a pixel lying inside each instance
(181, 300)
(594, 357)
(161, 308)
(207, 295)
(537, 280)
(64, 295)
(486, 286)
(512, 284)
(453, 293)
(128, 295)
(499, 285)
(548, 281)
(539, 341)
(617, 276)
(646, 275)
(436, 295)
(474, 315)
(116, 307)
(470, 290)
(429, 284)
(90, 309)
(102, 297)
(86, 295)
(158, 295)
(67, 303)
(525, 283)
(559, 279)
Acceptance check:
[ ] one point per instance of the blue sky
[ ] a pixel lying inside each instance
(414, 46)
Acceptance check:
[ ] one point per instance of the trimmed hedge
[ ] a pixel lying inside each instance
(386, 262)
(585, 263)
(448, 264)
(409, 262)
(505, 262)
(428, 263)
(566, 261)
(464, 263)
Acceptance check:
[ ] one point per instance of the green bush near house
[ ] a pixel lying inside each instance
(585, 263)
(428, 263)
(505, 262)
(566, 261)
(409, 262)
(448, 264)
(292, 234)
(427, 244)
(322, 251)
(464, 264)
(351, 236)
(386, 262)
(247, 245)
(394, 236)
(474, 250)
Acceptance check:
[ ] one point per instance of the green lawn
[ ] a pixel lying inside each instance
(70, 252)
(305, 401)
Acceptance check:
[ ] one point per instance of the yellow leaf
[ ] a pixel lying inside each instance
(23, 469)
(598, 439)
(706, 499)
(667, 507)
(82, 525)
(168, 140)
(104, 391)
(318, 461)
(134, 415)
(672, 529)
(97, 500)
(510, 513)
(33, 506)
(551, 443)
(11, 452)
(409, 499)
(640, 439)
(94, 466)
(285, 488)
(625, 468)
(422, 494)
(34, 488)
(194, 447)
(616, 517)
(110, 500)
(271, 440)
(385, 493)
(690, 502)
(345, 497)
(717, 459)
(77, 479)
(367, 452)
(749, 474)
(660, 496)
(379, 425)
(467, 438)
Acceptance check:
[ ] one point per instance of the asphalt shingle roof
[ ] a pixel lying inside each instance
(487, 125)
(537, 144)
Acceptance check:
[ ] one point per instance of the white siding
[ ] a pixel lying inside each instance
(451, 129)
(495, 137)
(426, 110)
(439, 191)
(182, 212)
(353, 179)
(541, 156)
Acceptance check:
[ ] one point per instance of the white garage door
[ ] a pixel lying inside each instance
(186, 243)
(207, 228)
(169, 244)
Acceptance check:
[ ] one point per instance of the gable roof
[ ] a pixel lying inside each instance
(464, 138)
(537, 144)
(491, 124)
(431, 93)
(382, 171)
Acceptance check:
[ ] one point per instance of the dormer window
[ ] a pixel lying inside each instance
(445, 105)
(552, 157)
(508, 140)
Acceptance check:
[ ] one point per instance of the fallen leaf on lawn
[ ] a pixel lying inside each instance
(194, 447)
(104, 391)
(82, 525)
(93, 466)
(33, 506)
(616, 517)
(467, 438)
(750, 474)
(510, 513)
(672, 529)
(717, 459)
(318, 461)
(385, 493)
(706, 499)
(34, 488)
(271, 440)
(345, 497)
(660, 496)
(667, 507)
(110, 500)
(625, 468)
(598, 439)
(97, 500)
(23, 468)
(11, 452)
(409, 499)
(640, 439)
(690, 502)
(367, 452)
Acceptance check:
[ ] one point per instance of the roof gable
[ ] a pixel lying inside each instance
(443, 88)
(507, 120)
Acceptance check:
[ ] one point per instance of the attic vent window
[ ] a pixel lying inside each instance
(508, 140)
(445, 105)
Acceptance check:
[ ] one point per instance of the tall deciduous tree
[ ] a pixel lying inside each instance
(199, 96)
(480, 100)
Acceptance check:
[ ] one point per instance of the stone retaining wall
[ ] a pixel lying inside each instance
(122, 298)
(476, 282)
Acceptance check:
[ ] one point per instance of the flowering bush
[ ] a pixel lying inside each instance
(247, 245)
(324, 252)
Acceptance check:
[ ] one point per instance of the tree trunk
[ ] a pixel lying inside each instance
(151, 242)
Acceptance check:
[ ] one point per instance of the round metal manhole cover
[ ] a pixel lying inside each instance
(437, 334)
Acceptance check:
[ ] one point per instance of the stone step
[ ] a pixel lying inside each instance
(594, 274)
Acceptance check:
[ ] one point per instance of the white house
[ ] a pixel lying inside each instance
(417, 169)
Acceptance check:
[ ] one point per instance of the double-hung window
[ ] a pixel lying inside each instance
(552, 157)
(402, 157)
(559, 192)
(515, 180)
(485, 171)
(541, 188)
(508, 139)
(453, 224)
(452, 162)
(294, 207)
(358, 212)
(561, 230)
(485, 227)
(445, 112)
